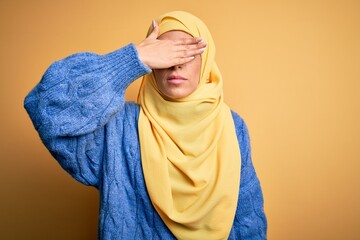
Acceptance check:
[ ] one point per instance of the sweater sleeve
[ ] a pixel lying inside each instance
(250, 218)
(74, 100)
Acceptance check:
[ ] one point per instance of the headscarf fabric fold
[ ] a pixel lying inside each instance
(190, 154)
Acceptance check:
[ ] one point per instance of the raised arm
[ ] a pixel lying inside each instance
(80, 94)
(74, 100)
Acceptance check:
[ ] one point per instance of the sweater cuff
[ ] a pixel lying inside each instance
(126, 60)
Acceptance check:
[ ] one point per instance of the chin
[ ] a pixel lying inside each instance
(176, 95)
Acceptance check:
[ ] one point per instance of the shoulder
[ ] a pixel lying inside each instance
(238, 120)
(240, 126)
(242, 134)
(131, 112)
(132, 107)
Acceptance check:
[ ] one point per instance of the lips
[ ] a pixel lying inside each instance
(176, 79)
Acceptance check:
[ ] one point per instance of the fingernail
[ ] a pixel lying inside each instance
(153, 23)
(199, 39)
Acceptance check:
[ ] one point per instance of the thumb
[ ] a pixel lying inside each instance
(155, 32)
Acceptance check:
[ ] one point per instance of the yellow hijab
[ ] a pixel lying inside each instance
(190, 153)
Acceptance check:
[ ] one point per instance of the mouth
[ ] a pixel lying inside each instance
(176, 79)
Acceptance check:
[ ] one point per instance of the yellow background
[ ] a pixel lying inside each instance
(291, 69)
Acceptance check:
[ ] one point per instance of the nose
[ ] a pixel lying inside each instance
(176, 67)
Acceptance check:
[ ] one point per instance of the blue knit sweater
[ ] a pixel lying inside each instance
(80, 113)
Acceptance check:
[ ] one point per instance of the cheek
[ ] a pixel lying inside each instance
(197, 70)
(197, 67)
(158, 75)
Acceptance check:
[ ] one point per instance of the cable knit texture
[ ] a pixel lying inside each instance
(81, 115)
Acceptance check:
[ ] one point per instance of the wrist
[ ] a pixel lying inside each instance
(140, 54)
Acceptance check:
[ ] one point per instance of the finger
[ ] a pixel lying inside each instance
(184, 60)
(187, 41)
(190, 53)
(155, 32)
(191, 46)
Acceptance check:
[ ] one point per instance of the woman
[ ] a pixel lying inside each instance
(167, 167)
